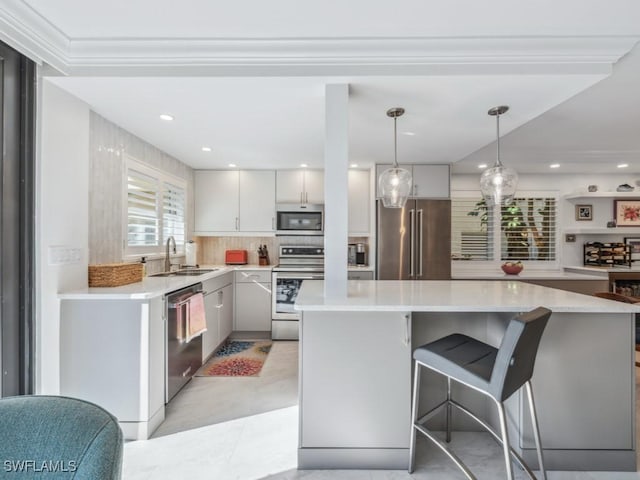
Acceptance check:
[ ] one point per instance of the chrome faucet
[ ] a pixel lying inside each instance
(167, 258)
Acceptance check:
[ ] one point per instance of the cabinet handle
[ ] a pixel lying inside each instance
(273, 223)
(301, 198)
(412, 241)
(237, 223)
(421, 234)
(306, 197)
(407, 326)
(220, 300)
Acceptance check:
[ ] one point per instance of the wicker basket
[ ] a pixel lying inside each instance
(114, 274)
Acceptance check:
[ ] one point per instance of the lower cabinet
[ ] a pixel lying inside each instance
(218, 306)
(226, 313)
(360, 275)
(368, 370)
(253, 300)
(112, 353)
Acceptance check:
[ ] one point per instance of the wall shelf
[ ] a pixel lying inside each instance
(603, 231)
(579, 195)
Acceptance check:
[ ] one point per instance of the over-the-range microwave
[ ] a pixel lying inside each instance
(299, 219)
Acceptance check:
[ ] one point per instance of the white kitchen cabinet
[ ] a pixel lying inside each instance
(360, 275)
(225, 297)
(429, 181)
(359, 203)
(300, 186)
(216, 305)
(217, 198)
(335, 394)
(229, 202)
(253, 300)
(112, 353)
(257, 200)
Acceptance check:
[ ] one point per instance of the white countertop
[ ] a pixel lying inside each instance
(452, 296)
(602, 271)
(525, 274)
(151, 286)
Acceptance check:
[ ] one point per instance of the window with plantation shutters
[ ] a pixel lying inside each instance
(525, 230)
(155, 209)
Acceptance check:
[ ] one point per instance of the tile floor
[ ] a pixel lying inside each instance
(247, 428)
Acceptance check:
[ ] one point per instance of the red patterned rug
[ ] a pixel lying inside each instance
(237, 358)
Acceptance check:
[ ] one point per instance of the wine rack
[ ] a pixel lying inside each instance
(600, 254)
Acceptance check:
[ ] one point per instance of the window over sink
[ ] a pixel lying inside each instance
(154, 209)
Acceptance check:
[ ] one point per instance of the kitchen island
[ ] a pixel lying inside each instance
(355, 371)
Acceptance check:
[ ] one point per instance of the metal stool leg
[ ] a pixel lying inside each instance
(448, 420)
(505, 440)
(414, 416)
(536, 431)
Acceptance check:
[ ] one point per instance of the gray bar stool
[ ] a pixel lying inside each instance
(497, 373)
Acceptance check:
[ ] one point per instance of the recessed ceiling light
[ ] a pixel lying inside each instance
(623, 165)
(409, 134)
(206, 149)
(482, 165)
(554, 165)
(354, 165)
(232, 165)
(304, 165)
(166, 116)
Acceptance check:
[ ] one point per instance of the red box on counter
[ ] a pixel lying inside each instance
(235, 257)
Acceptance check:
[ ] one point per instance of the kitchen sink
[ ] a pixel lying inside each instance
(184, 273)
(199, 271)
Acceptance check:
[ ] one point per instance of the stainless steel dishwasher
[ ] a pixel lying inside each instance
(183, 357)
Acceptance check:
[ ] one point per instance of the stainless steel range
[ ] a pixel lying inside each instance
(297, 263)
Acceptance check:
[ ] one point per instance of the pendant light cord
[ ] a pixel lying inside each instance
(395, 142)
(498, 162)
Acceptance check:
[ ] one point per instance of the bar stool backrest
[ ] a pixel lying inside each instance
(517, 353)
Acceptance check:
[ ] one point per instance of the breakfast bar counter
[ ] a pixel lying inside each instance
(355, 371)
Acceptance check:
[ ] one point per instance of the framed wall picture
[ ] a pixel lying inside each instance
(627, 212)
(584, 212)
(634, 247)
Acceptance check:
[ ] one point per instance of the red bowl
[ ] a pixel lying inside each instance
(512, 269)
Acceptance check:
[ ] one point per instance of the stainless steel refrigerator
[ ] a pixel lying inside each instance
(414, 242)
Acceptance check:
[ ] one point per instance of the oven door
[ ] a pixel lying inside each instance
(284, 291)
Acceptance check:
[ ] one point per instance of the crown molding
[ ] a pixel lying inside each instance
(348, 56)
(30, 33)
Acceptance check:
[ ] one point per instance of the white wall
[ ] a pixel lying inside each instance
(61, 218)
(562, 184)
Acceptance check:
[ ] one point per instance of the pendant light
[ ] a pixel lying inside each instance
(498, 183)
(395, 182)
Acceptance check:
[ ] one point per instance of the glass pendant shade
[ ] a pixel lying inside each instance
(394, 186)
(498, 183)
(395, 183)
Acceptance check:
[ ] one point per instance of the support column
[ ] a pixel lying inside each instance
(336, 194)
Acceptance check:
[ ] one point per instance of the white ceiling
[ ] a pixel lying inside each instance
(247, 78)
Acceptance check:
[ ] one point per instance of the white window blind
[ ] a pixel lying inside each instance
(173, 213)
(524, 230)
(142, 218)
(155, 209)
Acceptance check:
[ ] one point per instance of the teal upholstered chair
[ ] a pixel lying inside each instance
(48, 437)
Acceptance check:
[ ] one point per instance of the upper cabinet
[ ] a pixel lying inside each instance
(229, 202)
(359, 203)
(429, 181)
(257, 200)
(300, 186)
(216, 197)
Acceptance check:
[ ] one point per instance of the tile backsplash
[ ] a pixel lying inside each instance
(211, 249)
